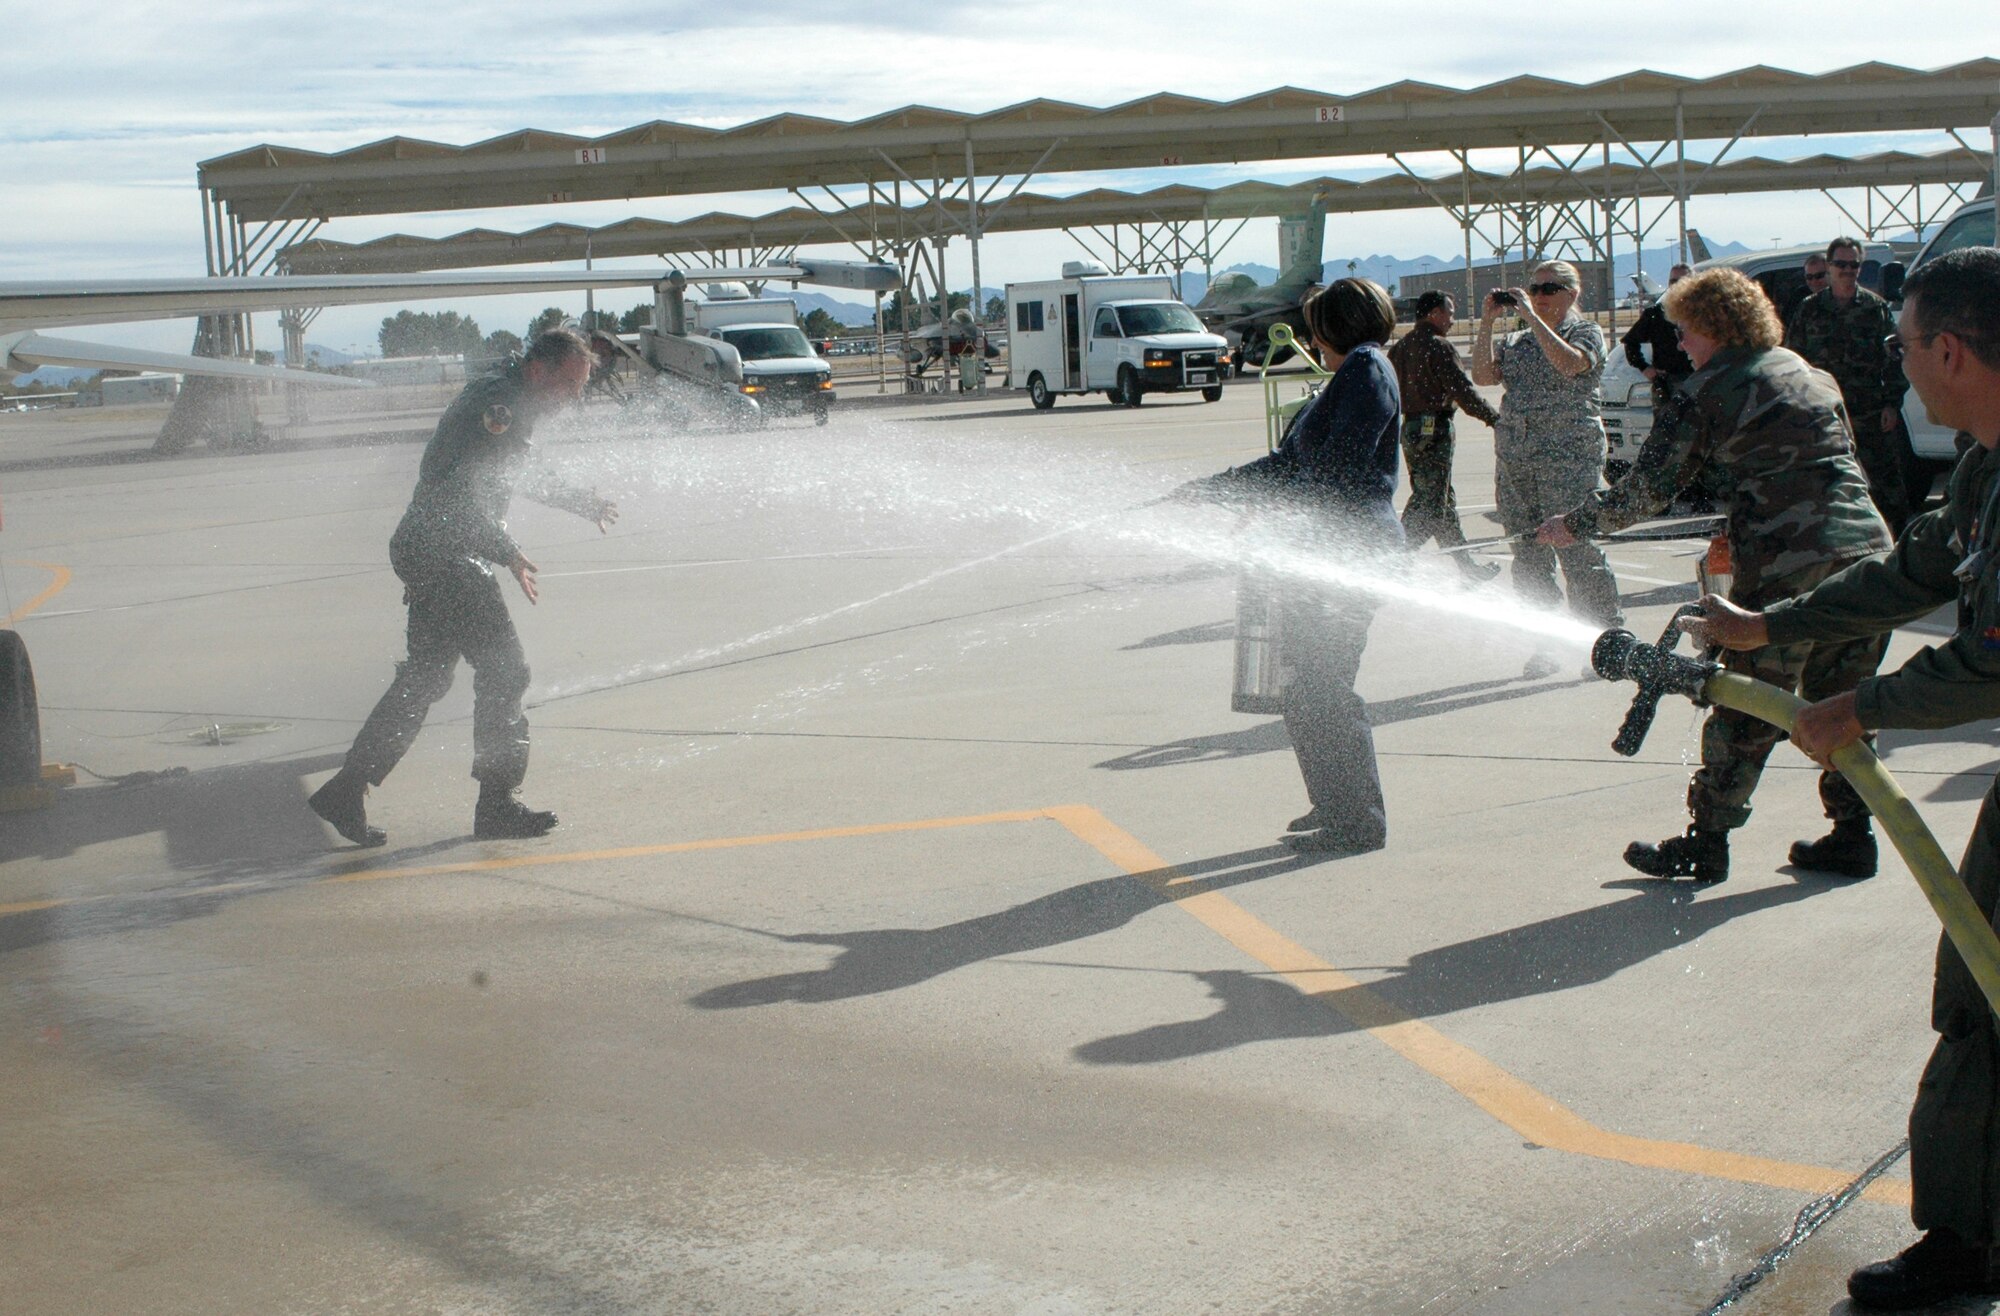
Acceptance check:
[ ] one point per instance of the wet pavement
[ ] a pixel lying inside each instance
(916, 938)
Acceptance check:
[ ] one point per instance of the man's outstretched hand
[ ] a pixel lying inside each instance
(524, 571)
(607, 515)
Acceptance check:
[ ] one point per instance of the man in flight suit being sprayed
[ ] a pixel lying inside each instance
(444, 551)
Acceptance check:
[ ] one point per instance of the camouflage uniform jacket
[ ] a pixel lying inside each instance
(1941, 685)
(1846, 342)
(470, 469)
(1768, 433)
(1544, 414)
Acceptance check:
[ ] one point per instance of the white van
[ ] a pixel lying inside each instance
(1124, 335)
(780, 369)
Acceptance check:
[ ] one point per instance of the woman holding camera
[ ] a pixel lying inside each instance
(1548, 449)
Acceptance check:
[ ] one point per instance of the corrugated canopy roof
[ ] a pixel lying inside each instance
(403, 175)
(799, 226)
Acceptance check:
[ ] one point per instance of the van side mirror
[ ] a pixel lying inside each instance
(1892, 281)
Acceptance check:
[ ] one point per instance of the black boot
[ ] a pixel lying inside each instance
(1936, 1267)
(1848, 850)
(501, 817)
(1701, 853)
(339, 802)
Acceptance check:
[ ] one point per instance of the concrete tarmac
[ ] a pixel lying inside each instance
(917, 937)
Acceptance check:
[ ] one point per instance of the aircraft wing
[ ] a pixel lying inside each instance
(47, 305)
(20, 353)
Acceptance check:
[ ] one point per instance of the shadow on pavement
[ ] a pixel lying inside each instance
(1556, 954)
(1206, 633)
(877, 960)
(227, 833)
(1267, 737)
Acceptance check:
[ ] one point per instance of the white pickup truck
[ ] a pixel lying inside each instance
(780, 369)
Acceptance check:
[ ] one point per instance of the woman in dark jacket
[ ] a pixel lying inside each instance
(1337, 465)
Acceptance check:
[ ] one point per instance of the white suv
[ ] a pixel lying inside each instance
(1931, 444)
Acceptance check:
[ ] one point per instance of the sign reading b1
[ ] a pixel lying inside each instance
(1327, 113)
(590, 155)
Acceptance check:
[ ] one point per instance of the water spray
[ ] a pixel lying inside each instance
(1619, 655)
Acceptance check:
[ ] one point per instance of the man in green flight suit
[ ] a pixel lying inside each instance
(1841, 329)
(1948, 337)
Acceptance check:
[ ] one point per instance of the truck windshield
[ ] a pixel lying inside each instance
(1973, 230)
(1158, 318)
(768, 342)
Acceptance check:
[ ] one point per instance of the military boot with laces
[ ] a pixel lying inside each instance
(501, 817)
(339, 801)
(1700, 853)
(1848, 850)
(1937, 1266)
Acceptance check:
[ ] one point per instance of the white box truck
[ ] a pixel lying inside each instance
(1124, 335)
(780, 369)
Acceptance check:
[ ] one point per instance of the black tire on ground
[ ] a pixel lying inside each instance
(20, 715)
(1129, 394)
(819, 415)
(1038, 392)
(1212, 394)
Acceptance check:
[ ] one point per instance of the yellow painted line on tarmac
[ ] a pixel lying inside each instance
(505, 862)
(1532, 1114)
(56, 586)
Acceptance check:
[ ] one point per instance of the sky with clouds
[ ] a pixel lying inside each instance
(106, 119)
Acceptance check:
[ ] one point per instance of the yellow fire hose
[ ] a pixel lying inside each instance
(1620, 656)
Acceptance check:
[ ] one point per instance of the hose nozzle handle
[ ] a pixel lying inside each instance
(1619, 655)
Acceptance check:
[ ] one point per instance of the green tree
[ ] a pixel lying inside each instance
(996, 309)
(820, 325)
(639, 317)
(443, 333)
(551, 318)
(501, 343)
(591, 320)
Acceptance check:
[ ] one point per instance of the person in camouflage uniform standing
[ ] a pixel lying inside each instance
(1948, 336)
(1548, 450)
(1433, 383)
(1757, 421)
(1840, 329)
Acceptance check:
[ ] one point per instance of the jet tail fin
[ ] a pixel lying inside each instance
(1697, 248)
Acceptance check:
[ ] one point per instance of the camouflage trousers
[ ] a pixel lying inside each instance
(1530, 489)
(1735, 746)
(1880, 453)
(1432, 512)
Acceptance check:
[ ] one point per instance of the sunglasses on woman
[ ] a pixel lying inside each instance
(1547, 289)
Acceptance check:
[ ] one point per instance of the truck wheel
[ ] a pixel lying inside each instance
(1128, 387)
(1038, 392)
(1212, 394)
(819, 416)
(20, 716)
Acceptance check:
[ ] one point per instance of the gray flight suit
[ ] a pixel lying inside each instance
(1955, 1123)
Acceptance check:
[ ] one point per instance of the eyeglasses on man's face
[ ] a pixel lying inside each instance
(1845, 264)
(1547, 289)
(1815, 276)
(1895, 346)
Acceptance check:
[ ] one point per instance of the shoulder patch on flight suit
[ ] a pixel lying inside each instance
(499, 418)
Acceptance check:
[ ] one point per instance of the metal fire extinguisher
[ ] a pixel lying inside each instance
(1717, 569)
(1261, 671)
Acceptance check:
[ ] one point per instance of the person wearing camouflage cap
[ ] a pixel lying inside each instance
(1841, 329)
(1757, 421)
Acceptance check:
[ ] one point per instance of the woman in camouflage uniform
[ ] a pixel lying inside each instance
(1548, 449)
(1758, 423)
